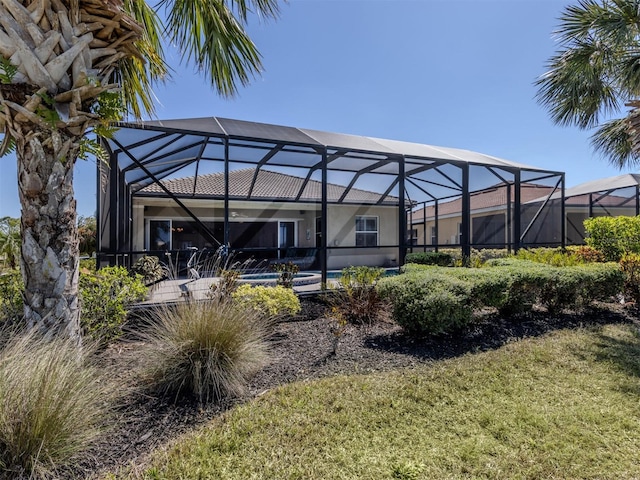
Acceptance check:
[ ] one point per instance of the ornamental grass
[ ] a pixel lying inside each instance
(204, 349)
(53, 403)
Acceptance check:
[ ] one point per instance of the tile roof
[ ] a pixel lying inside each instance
(493, 198)
(268, 185)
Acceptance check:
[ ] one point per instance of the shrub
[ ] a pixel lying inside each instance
(207, 349)
(613, 236)
(630, 266)
(551, 256)
(356, 299)
(489, 287)
(429, 302)
(286, 273)
(87, 265)
(53, 403)
(11, 303)
(586, 254)
(430, 258)
(105, 297)
(149, 268)
(429, 299)
(272, 301)
(556, 287)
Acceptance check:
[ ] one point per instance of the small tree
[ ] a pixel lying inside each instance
(10, 241)
(87, 232)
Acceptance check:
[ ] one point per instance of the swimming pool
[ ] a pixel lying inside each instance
(335, 274)
(270, 279)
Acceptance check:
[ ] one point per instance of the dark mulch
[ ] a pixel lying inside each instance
(302, 350)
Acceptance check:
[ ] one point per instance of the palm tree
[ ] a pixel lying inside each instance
(69, 66)
(596, 74)
(10, 241)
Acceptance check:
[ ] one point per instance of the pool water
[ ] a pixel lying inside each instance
(388, 272)
(304, 278)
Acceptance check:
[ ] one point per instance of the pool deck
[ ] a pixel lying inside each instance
(171, 291)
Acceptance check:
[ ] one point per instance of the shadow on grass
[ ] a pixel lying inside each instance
(624, 355)
(490, 331)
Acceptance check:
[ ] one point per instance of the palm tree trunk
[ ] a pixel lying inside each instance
(49, 255)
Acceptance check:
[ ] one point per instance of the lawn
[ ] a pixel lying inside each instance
(564, 405)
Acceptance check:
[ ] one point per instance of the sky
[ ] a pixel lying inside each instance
(448, 73)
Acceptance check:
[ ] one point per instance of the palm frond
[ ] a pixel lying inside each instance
(138, 75)
(614, 141)
(213, 38)
(579, 85)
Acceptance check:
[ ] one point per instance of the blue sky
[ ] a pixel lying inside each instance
(449, 73)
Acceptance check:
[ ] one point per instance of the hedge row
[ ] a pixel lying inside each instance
(433, 300)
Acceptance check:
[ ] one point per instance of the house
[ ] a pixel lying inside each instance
(613, 196)
(283, 212)
(491, 210)
(261, 189)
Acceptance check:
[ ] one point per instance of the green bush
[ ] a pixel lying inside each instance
(105, 297)
(428, 302)
(273, 301)
(557, 257)
(87, 265)
(207, 349)
(430, 258)
(53, 403)
(356, 299)
(11, 303)
(613, 236)
(557, 288)
(630, 266)
(429, 299)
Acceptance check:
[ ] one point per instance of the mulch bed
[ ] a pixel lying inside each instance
(302, 350)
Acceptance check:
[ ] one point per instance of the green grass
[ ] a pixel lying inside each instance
(563, 406)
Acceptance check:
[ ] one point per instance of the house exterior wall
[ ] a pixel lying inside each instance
(341, 225)
(342, 234)
(448, 229)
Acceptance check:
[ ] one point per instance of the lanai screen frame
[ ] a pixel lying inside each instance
(606, 197)
(148, 152)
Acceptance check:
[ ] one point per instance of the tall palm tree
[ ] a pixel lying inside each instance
(69, 66)
(595, 76)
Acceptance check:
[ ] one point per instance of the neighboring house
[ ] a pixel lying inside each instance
(612, 197)
(271, 223)
(491, 216)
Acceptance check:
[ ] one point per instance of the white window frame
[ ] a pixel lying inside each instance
(367, 232)
(434, 236)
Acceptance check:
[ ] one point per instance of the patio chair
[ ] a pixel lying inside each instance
(302, 257)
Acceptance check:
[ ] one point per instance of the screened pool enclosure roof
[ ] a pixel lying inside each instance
(149, 159)
(164, 147)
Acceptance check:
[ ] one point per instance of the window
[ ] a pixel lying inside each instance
(459, 234)
(366, 231)
(434, 236)
(412, 236)
(159, 234)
